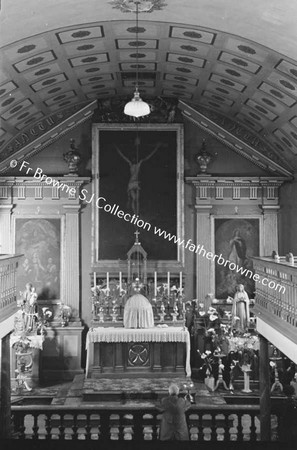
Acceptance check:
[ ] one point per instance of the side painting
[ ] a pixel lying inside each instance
(39, 241)
(237, 240)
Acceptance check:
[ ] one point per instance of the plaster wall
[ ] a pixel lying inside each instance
(226, 162)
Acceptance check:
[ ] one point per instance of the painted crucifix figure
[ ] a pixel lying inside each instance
(133, 189)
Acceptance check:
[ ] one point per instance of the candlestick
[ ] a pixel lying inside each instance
(107, 280)
(168, 282)
(120, 276)
(155, 284)
(94, 278)
(184, 307)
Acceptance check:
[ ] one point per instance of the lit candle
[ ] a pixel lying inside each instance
(168, 282)
(184, 307)
(94, 278)
(120, 281)
(155, 284)
(180, 281)
(107, 280)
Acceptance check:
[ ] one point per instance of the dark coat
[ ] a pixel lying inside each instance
(174, 425)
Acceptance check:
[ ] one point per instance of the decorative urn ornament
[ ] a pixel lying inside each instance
(72, 158)
(203, 158)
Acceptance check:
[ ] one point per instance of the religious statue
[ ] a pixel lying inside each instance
(133, 188)
(29, 306)
(240, 309)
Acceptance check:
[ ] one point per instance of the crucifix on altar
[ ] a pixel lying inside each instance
(137, 261)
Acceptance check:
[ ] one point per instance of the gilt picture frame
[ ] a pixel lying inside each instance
(155, 152)
(40, 240)
(237, 239)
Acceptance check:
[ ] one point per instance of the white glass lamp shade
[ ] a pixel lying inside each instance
(137, 107)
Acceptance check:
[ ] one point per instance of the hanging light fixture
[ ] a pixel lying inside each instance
(137, 107)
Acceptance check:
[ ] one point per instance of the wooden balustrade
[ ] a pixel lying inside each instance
(276, 299)
(8, 267)
(205, 423)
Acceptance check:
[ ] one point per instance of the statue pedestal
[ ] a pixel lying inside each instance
(61, 355)
(246, 374)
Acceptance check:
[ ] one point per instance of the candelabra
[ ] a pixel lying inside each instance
(188, 386)
(220, 379)
(162, 312)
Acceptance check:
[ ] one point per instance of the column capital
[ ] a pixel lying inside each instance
(72, 209)
(6, 208)
(203, 209)
(270, 209)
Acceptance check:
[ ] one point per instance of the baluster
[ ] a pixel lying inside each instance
(137, 428)
(239, 428)
(48, 426)
(279, 426)
(35, 427)
(74, 427)
(226, 428)
(121, 427)
(253, 428)
(61, 428)
(88, 427)
(155, 427)
(213, 427)
(200, 428)
(104, 426)
(21, 426)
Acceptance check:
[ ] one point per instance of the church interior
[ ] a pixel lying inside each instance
(147, 216)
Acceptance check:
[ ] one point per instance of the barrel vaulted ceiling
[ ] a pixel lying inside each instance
(236, 59)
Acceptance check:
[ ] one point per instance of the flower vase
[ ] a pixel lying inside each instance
(209, 381)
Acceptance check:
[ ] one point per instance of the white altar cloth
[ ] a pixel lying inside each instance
(156, 334)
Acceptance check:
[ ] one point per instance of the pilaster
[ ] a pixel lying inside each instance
(203, 237)
(5, 227)
(270, 229)
(71, 258)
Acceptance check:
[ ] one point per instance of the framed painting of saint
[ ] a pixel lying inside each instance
(137, 188)
(237, 240)
(39, 240)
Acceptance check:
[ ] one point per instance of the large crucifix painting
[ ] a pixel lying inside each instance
(139, 169)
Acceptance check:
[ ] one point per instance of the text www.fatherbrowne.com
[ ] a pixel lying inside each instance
(101, 203)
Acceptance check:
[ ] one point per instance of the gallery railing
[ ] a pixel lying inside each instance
(8, 303)
(276, 299)
(205, 423)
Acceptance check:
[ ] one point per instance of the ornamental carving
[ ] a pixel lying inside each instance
(138, 355)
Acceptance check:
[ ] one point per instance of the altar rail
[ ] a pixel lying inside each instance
(8, 267)
(277, 305)
(205, 423)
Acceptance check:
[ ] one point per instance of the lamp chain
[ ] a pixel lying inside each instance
(137, 3)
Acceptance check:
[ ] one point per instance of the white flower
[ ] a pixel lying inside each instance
(201, 305)
(221, 366)
(212, 317)
(202, 313)
(208, 352)
(272, 364)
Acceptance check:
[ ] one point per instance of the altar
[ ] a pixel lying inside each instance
(129, 352)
